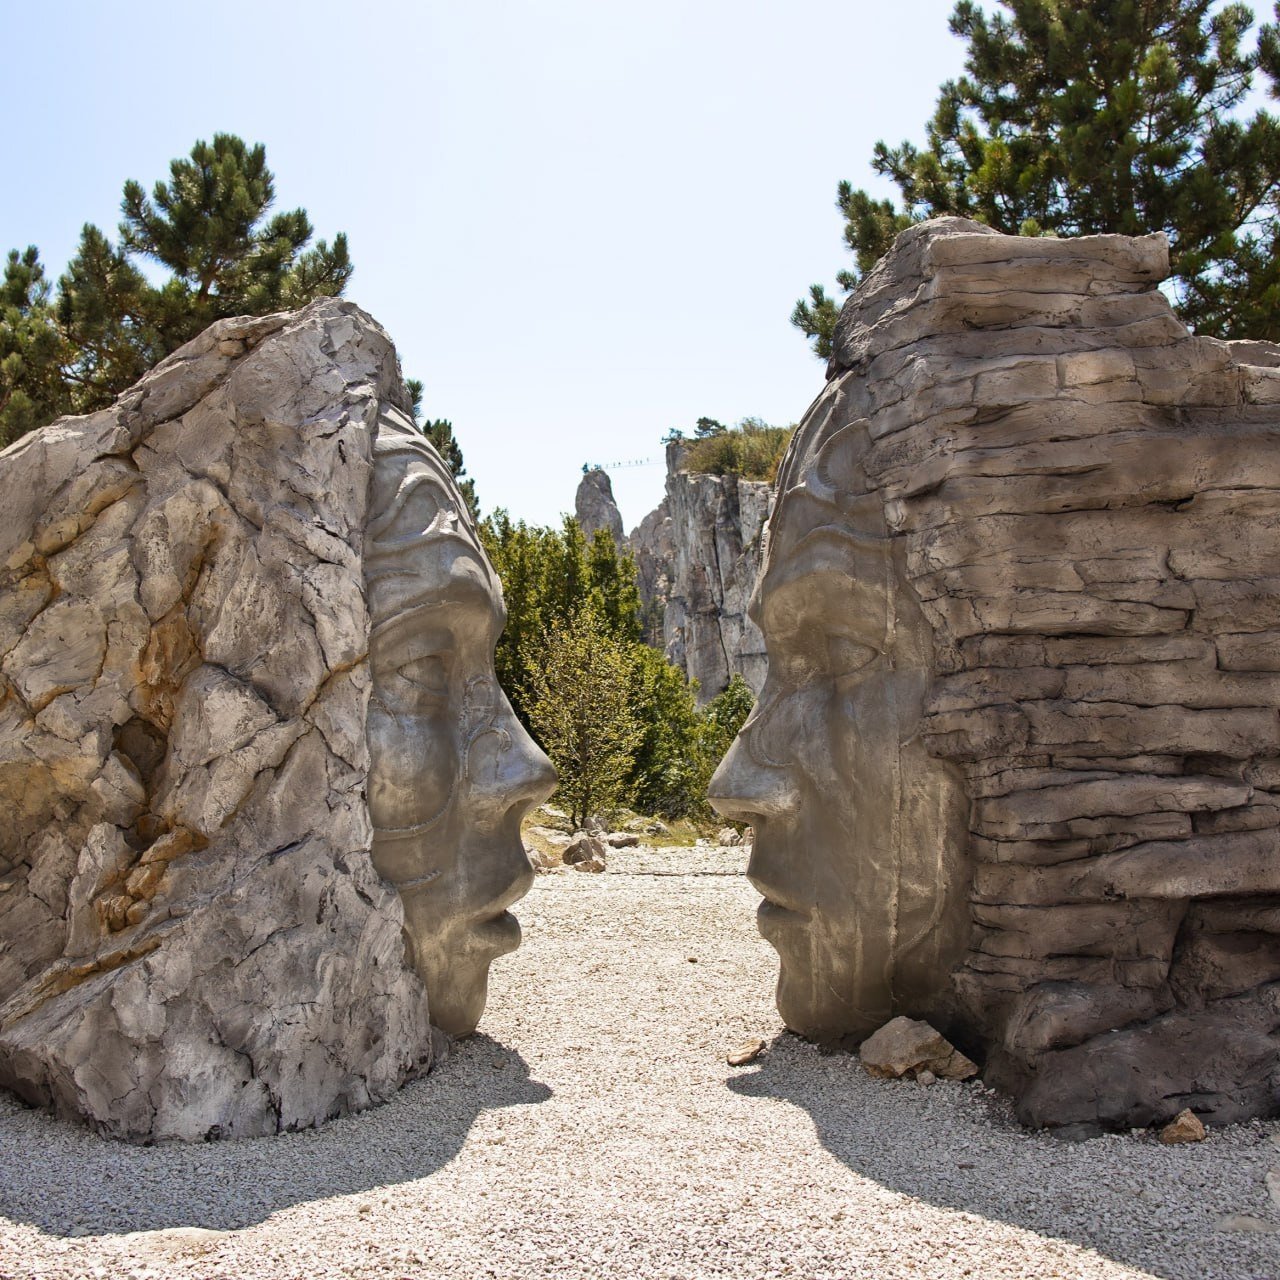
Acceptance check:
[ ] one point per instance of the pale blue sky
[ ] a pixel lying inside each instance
(583, 223)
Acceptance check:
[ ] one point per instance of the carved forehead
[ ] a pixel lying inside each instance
(421, 546)
(828, 518)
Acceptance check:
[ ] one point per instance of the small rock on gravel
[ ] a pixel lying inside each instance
(746, 1053)
(584, 847)
(906, 1046)
(1244, 1222)
(1184, 1127)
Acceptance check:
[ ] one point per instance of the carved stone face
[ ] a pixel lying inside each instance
(452, 772)
(859, 832)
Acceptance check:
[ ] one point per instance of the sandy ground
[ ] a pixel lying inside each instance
(594, 1129)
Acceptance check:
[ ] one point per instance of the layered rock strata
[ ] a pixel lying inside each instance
(1082, 501)
(195, 942)
(697, 557)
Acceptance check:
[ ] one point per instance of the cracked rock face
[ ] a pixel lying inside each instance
(1016, 767)
(194, 940)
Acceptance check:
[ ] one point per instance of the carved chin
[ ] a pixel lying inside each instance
(821, 994)
(454, 968)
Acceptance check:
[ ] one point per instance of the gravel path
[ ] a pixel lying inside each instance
(595, 1131)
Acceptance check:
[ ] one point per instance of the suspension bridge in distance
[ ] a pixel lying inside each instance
(623, 465)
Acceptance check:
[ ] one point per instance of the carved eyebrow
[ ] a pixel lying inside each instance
(409, 488)
(460, 593)
(847, 546)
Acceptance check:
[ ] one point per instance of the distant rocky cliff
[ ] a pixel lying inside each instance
(697, 554)
(594, 507)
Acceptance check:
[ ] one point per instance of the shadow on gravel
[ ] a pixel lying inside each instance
(959, 1147)
(67, 1181)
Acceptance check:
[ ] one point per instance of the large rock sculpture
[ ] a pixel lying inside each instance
(194, 936)
(1016, 768)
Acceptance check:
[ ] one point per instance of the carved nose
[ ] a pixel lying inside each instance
(743, 790)
(534, 776)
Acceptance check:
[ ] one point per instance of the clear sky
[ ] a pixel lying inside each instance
(583, 223)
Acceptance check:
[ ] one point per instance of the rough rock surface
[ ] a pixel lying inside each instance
(697, 558)
(595, 509)
(194, 939)
(907, 1047)
(584, 851)
(1184, 1127)
(1084, 500)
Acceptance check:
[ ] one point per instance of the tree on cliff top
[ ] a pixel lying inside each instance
(1078, 117)
(108, 323)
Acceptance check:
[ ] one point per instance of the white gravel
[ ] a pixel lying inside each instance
(595, 1130)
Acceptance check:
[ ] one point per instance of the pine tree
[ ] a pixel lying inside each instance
(1079, 117)
(109, 323)
(31, 349)
(206, 225)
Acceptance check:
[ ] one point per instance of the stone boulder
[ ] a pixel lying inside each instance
(698, 555)
(585, 852)
(906, 1047)
(195, 941)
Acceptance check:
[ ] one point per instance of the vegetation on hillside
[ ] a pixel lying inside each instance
(73, 348)
(573, 644)
(1078, 117)
(752, 450)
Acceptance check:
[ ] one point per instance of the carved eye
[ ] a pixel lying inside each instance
(430, 674)
(845, 656)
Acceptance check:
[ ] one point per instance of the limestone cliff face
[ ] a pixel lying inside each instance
(697, 556)
(595, 509)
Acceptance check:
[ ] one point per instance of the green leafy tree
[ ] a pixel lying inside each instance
(1079, 117)
(611, 578)
(548, 576)
(723, 717)
(669, 774)
(579, 707)
(551, 580)
(208, 226)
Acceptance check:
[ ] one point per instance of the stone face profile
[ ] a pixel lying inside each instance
(1015, 769)
(452, 770)
(244, 621)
